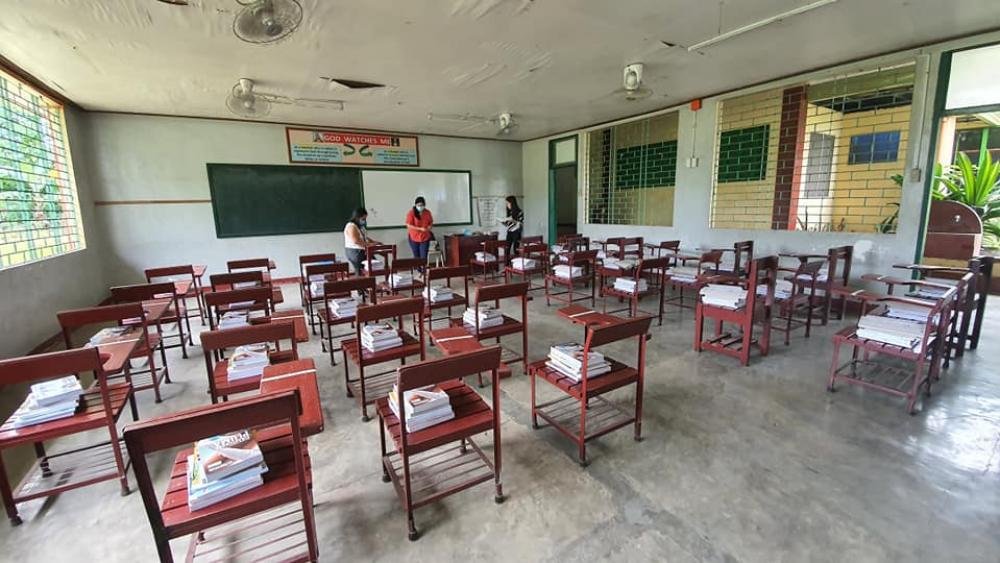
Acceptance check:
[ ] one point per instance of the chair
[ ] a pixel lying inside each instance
(430, 464)
(214, 342)
(458, 299)
(312, 260)
(316, 276)
(533, 239)
(138, 342)
(757, 310)
(367, 389)
(244, 280)
(171, 273)
(387, 253)
(262, 265)
(678, 284)
(411, 266)
(649, 267)
(584, 413)
(486, 294)
(245, 524)
(435, 257)
(587, 261)
(100, 407)
(177, 313)
(742, 257)
(537, 251)
(925, 357)
(489, 268)
(327, 320)
(252, 299)
(623, 247)
(802, 297)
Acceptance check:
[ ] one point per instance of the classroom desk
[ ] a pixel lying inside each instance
(456, 340)
(301, 375)
(578, 314)
(118, 349)
(296, 316)
(181, 287)
(459, 249)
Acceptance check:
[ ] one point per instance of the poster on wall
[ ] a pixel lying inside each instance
(318, 146)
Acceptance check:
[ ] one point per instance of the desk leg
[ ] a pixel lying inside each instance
(8, 497)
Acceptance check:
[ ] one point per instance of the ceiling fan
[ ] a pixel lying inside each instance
(504, 122)
(245, 101)
(632, 88)
(267, 21)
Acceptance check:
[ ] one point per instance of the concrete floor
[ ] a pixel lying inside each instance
(739, 464)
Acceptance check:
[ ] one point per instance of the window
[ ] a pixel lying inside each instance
(819, 166)
(39, 213)
(874, 147)
(631, 172)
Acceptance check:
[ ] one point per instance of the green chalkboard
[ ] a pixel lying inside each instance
(255, 200)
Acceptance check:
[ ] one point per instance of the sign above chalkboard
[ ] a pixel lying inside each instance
(318, 146)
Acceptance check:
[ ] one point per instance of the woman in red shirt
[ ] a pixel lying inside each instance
(418, 228)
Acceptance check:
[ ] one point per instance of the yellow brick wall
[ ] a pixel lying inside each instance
(748, 205)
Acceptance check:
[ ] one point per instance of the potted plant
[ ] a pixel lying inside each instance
(975, 185)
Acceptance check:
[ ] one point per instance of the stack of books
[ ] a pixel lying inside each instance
(401, 279)
(378, 265)
(438, 293)
(48, 400)
(619, 264)
(423, 407)
(687, 274)
(343, 307)
(523, 264)
(316, 283)
(380, 336)
(222, 467)
(106, 334)
(566, 271)
(821, 277)
(485, 257)
(782, 289)
(244, 285)
(248, 361)
(567, 359)
(908, 311)
(601, 255)
(630, 285)
(724, 296)
(488, 317)
(890, 330)
(233, 319)
(924, 292)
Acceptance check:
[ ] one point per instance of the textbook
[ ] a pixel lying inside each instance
(567, 359)
(47, 401)
(248, 361)
(202, 494)
(424, 407)
(107, 334)
(380, 336)
(224, 455)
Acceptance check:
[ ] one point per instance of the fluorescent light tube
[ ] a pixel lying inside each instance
(756, 25)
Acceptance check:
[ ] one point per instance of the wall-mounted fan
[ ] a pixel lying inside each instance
(632, 88)
(245, 101)
(504, 122)
(266, 21)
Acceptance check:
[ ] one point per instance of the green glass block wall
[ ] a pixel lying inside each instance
(743, 154)
(652, 165)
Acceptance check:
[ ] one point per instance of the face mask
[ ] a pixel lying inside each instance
(420, 208)
(362, 223)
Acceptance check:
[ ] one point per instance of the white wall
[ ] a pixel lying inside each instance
(535, 175)
(873, 252)
(32, 294)
(156, 158)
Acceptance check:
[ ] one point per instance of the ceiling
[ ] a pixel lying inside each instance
(552, 63)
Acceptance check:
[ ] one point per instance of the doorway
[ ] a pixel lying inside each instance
(562, 187)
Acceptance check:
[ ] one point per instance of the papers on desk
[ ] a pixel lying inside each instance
(924, 292)
(233, 319)
(687, 274)
(222, 467)
(438, 294)
(619, 263)
(248, 361)
(782, 289)
(316, 284)
(630, 285)
(107, 334)
(890, 330)
(724, 296)
(485, 257)
(401, 279)
(380, 336)
(343, 307)
(488, 317)
(48, 400)
(567, 359)
(424, 407)
(378, 265)
(907, 311)
(821, 277)
(567, 272)
(523, 264)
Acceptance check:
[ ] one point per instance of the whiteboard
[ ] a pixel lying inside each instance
(389, 194)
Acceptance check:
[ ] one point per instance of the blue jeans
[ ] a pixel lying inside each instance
(419, 249)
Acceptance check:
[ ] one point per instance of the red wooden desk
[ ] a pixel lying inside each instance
(456, 339)
(296, 316)
(578, 314)
(183, 286)
(199, 271)
(115, 351)
(301, 375)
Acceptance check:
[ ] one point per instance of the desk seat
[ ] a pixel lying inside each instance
(89, 415)
(619, 376)
(224, 387)
(280, 487)
(472, 416)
